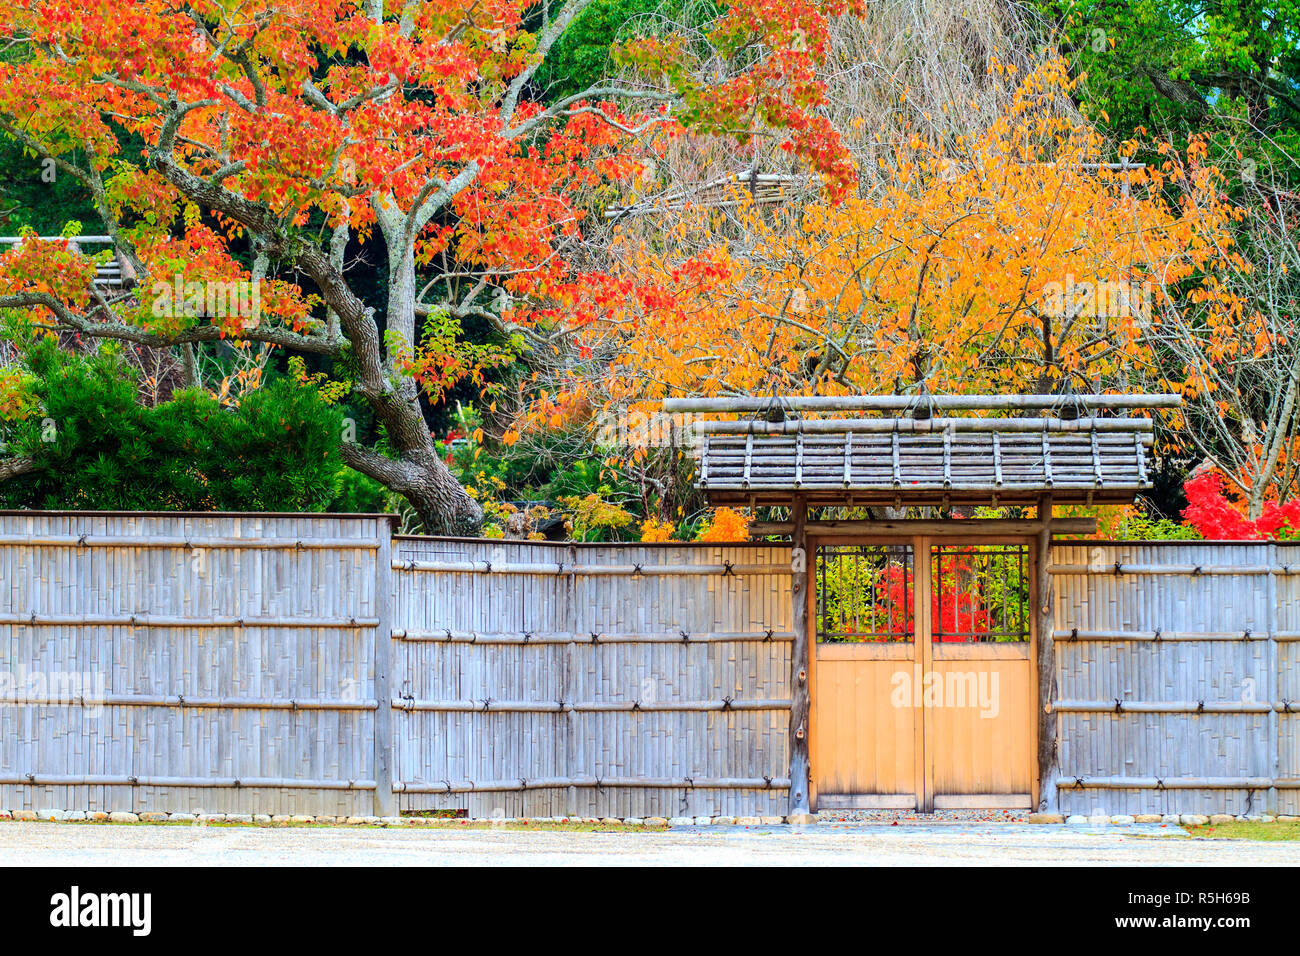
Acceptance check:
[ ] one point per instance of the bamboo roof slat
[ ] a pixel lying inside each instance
(1089, 457)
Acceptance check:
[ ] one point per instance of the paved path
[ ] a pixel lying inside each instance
(35, 844)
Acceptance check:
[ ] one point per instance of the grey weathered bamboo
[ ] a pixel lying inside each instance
(1156, 636)
(596, 783)
(174, 543)
(800, 659)
(1177, 689)
(560, 569)
(180, 702)
(202, 783)
(923, 426)
(1175, 783)
(385, 805)
(489, 706)
(151, 620)
(528, 638)
(1048, 756)
(673, 668)
(253, 673)
(189, 661)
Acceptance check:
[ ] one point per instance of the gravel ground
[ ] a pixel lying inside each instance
(70, 844)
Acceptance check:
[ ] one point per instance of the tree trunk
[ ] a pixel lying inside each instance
(417, 474)
(13, 467)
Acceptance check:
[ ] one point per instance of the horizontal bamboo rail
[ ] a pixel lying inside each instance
(924, 425)
(1172, 707)
(592, 570)
(824, 403)
(1176, 783)
(122, 780)
(189, 544)
(579, 707)
(1187, 570)
(197, 621)
(1158, 636)
(550, 783)
(182, 702)
(663, 637)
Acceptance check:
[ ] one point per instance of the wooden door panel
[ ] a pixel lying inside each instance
(981, 729)
(863, 744)
(934, 708)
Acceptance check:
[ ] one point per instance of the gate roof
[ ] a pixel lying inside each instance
(1081, 449)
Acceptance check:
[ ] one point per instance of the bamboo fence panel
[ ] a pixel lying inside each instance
(582, 680)
(229, 663)
(1173, 677)
(226, 661)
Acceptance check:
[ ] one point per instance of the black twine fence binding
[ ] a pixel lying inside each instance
(1119, 706)
(767, 638)
(728, 569)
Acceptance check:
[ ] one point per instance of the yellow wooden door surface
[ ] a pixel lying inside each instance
(863, 745)
(979, 726)
(923, 723)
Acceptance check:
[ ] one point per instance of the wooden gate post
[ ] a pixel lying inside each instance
(1043, 599)
(383, 654)
(800, 777)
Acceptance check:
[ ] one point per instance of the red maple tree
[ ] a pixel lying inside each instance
(276, 132)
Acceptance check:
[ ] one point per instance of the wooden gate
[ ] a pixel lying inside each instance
(923, 675)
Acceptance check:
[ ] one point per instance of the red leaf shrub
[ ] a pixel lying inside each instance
(1210, 512)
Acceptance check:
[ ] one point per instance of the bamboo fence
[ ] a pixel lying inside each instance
(1177, 685)
(316, 664)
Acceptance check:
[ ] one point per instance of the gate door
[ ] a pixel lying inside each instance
(923, 682)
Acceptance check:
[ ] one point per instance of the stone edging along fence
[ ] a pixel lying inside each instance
(316, 666)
